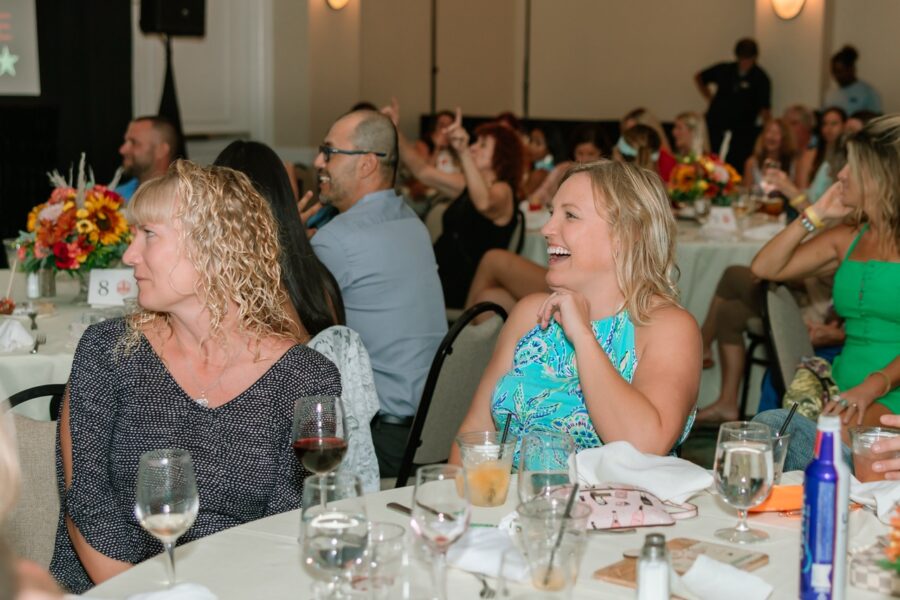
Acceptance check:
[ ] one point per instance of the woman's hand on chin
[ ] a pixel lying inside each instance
(570, 309)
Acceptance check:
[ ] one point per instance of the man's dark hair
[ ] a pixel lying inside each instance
(168, 132)
(746, 48)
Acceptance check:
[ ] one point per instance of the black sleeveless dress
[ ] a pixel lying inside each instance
(467, 235)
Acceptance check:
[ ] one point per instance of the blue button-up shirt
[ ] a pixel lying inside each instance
(380, 254)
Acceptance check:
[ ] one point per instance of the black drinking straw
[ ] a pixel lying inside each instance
(505, 434)
(562, 531)
(788, 419)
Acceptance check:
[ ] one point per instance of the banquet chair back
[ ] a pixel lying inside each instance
(54, 390)
(517, 239)
(455, 373)
(31, 528)
(788, 334)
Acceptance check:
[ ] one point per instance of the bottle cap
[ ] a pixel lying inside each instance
(654, 546)
(829, 423)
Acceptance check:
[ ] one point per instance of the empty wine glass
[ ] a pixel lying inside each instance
(546, 462)
(440, 515)
(334, 529)
(743, 474)
(166, 500)
(319, 436)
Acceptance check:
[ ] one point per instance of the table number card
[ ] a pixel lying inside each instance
(110, 287)
(722, 218)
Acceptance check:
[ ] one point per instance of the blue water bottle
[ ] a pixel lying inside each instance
(826, 502)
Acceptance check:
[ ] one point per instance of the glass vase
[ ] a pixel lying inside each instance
(84, 278)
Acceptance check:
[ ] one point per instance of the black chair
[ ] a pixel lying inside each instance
(54, 390)
(454, 375)
(517, 239)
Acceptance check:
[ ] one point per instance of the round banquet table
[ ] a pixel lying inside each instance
(20, 369)
(701, 259)
(261, 559)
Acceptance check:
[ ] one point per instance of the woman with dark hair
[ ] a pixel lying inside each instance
(831, 126)
(314, 293)
(483, 213)
(851, 94)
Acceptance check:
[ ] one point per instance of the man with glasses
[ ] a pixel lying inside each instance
(380, 254)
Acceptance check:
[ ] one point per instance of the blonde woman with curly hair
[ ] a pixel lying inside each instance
(599, 364)
(210, 364)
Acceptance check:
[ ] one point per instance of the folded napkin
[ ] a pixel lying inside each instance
(709, 579)
(880, 495)
(666, 477)
(481, 550)
(763, 233)
(863, 530)
(14, 336)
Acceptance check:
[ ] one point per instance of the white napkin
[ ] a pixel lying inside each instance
(14, 336)
(481, 550)
(182, 591)
(666, 477)
(880, 495)
(763, 233)
(709, 579)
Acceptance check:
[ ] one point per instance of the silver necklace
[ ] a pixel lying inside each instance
(202, 398)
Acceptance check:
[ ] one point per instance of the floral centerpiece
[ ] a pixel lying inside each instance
(703, 177)
(79, 228)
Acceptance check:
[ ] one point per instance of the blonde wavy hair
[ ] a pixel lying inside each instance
(874, 157)
(699, 137)
(643, 229)
(227, 232)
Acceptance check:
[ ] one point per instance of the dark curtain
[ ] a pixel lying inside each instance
(85, 103)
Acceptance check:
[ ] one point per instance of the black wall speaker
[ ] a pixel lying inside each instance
(174, 17)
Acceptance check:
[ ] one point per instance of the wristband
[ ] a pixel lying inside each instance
(810, 214)
(887, 379)
(797, 201)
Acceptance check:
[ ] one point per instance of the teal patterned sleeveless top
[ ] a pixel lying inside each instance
(542, 392)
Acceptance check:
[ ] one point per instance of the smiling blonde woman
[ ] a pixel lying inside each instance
(598, 365)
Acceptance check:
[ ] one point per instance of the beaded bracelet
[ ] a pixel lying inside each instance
(807, 224)
(810, 214)
(887, 380)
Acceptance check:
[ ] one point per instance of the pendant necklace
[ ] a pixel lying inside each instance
(202, 398)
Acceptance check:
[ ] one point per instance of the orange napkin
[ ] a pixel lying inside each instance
(782, 497)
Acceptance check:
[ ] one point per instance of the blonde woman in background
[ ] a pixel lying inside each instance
(211, 359)
(690, 135)
(598, 364)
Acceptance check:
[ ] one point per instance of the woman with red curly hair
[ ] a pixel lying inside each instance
(482, 214)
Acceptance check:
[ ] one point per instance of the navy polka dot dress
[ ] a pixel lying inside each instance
(124, 405)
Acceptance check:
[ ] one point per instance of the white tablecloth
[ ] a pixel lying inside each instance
(701, 260)
(20, 370)
(262, 559)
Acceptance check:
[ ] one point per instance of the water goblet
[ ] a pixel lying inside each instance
(743, 474)
(546, 462)
(334, 528)
(166, 499)
(377, 570)
(440, 515)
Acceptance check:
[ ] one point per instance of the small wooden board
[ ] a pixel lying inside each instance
(682, 553)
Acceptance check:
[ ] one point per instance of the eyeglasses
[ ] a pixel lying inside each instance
(328, 151)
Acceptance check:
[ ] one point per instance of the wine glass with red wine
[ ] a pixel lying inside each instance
(319, 435)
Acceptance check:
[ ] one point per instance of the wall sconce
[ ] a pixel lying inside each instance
(339, 4)
(787, 9)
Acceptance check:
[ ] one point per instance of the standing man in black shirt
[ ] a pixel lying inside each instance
(740, 102)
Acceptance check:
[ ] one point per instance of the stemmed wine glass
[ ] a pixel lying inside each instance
(743, 474)
(440, 514)
(546, 462)
(166, 500)
(334, 536)
(319, 436)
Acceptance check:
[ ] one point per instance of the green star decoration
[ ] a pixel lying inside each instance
(7, 62)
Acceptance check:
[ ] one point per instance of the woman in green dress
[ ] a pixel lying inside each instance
(853, 231)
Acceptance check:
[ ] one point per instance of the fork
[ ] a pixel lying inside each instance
(487, 592)
(39, 338)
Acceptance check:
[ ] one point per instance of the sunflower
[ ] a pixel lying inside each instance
(111, 226)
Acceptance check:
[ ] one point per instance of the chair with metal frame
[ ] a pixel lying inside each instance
(787, 333)
(54, 390)
(454, 375)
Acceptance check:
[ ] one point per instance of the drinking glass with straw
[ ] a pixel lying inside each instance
(487, 458)
(554, 538)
